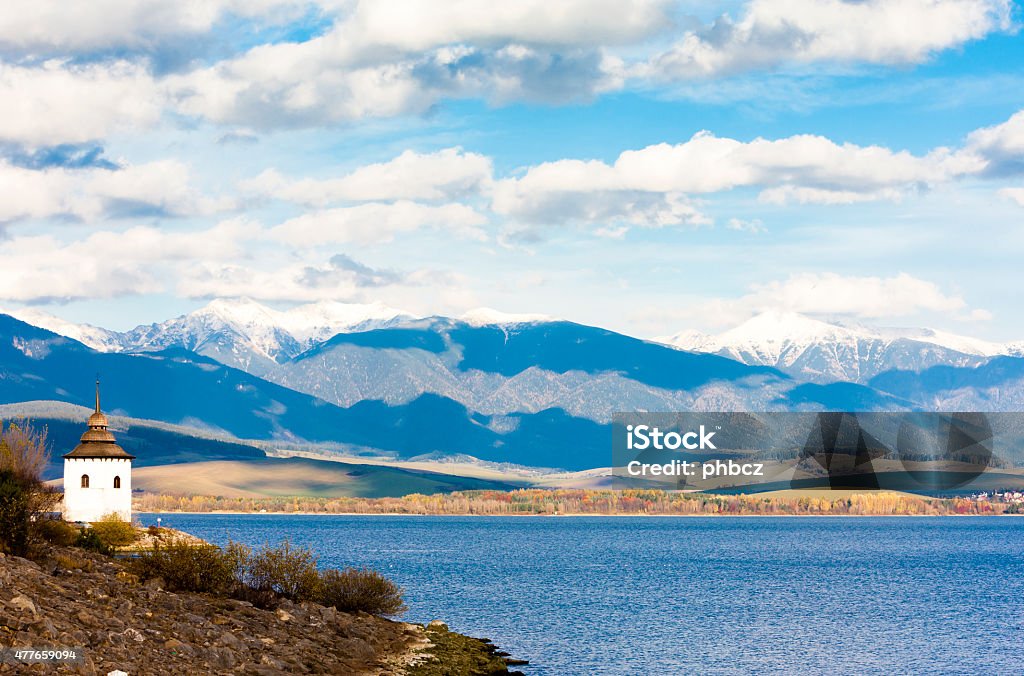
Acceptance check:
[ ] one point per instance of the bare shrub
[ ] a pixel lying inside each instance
(59, 532)
(354, 589)
(24, 499)
(285, 570)
(186, 566)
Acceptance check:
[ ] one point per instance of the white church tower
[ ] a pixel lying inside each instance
(97, 474)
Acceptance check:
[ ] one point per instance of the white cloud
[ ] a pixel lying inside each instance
(420, 25)
(58, 102)
(792, 194)
(1015, 194)
(321, 82)
(396, 57)
(446, 174)
(772, 33)
(1001, 146)
(377, 222)
(754, 226)
(385, 58)
(612, 210)
(648, 186)
(830, 294)
(40, 25)
(155, 188)
(108, 264)
(423, 291)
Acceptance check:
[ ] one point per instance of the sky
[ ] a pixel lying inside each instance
(649, 166)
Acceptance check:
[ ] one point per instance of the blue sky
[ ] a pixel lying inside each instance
(650, 166)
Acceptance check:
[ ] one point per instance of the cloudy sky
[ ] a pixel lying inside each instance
(644, 165)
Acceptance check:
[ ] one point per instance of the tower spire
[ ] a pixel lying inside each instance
(97, 393)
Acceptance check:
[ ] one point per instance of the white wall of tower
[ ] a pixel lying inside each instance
(100, 498)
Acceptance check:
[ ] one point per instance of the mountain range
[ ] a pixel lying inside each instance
(524, 389)
(823, 352)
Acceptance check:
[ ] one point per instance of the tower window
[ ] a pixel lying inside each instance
(85, 481)
(117, 482)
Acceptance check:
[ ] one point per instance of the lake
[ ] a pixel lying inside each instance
(663, 595)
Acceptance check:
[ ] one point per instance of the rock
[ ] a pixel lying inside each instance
(154, 584)
(284, 615)
(176, 646)
(357, 648)
(221, 658)
(438, 624)
(23, 604)
(269, 661)
(127, 578)
(87, 619)
(231, 641)
(133, 635)
(117, 672)
(45, 628)
(25, 562)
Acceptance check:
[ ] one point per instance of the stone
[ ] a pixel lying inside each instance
(355, 647)
(437, 624)
(284, 615)
(23, 604)
(231, 641)
(221, 658)
(269, 661)
(46, 628)
(87, 619)
(133, 635)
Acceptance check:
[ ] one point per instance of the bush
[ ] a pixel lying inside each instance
(355, 589)
(59, 532)
(70, 561)
(285, 570)
(265, 576)
(185, 566)
(115, 531)
(14, 514)
(24, 499)
(90, 539)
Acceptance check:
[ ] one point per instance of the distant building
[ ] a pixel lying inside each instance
(97, 474)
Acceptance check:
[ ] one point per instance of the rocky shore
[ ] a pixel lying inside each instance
(72, 598)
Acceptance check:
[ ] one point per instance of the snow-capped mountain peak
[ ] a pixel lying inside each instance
(244, 333)
(319, 321)
(95, 337)
(240, 332)
(485, 316)
(825, 352)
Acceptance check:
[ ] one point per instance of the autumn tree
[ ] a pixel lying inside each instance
(24, 498)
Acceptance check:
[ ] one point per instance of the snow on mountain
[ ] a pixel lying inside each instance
(485, 316)
(238, 332)
(964, 344)
(820, 351)
(254, 337)
(316, 322)
(93, 336)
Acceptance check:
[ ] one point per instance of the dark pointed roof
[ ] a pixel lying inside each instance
(98, 441)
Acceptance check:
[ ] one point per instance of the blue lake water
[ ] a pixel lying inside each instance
(593, 595)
